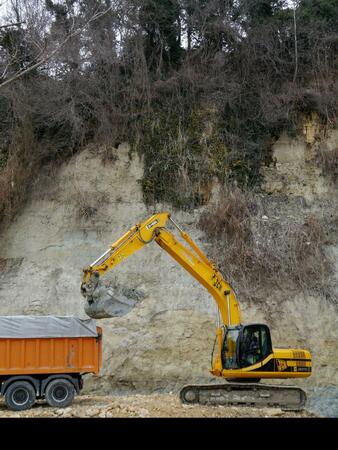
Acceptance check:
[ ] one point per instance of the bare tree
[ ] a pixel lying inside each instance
(45, 56)
(295, 38)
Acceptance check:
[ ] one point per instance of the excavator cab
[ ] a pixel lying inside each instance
(245, 346)
(254, 344)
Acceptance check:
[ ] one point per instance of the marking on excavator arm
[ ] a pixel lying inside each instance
(150, 225)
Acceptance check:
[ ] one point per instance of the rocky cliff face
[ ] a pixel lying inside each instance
(78, 210)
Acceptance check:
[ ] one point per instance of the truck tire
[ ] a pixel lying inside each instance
(20, 395)
(59, 393)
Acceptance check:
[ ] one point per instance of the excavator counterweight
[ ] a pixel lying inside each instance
(244, 353)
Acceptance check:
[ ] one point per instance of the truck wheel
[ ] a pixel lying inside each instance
(59, 393)
(20, 395)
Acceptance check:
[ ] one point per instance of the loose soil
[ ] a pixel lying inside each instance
(156, 405)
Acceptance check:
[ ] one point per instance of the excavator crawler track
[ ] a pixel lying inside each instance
(288, 398)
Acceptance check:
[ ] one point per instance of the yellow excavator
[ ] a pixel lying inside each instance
(244, 353)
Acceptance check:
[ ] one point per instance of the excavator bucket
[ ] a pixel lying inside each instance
(108, 301)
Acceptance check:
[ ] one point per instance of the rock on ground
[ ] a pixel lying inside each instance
(157, 405)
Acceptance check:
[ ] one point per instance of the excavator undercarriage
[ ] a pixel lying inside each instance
(288, 398)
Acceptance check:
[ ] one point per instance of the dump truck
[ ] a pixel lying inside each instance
(45, 357)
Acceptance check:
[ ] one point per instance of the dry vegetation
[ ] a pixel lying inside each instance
(328, 160)
(95, 71)
(274, 254)
(86, 204)
(21, 165)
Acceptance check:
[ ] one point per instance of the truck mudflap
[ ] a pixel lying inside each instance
(288, 398)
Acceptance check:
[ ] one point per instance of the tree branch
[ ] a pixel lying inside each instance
(296, 44)
(11, 24)
(48, 57)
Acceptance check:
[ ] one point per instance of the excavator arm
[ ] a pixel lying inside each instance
(129, 243)
(192, 259)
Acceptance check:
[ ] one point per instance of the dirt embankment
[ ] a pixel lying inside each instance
(158, 405)
(165, 342)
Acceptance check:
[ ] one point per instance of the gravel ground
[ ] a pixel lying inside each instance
(158, 405)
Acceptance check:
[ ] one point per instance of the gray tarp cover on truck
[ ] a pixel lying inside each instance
(46, 327)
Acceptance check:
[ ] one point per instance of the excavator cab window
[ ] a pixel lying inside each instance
(254, 344)
(229, 350)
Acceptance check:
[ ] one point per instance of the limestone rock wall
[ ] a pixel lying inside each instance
(77, 211)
